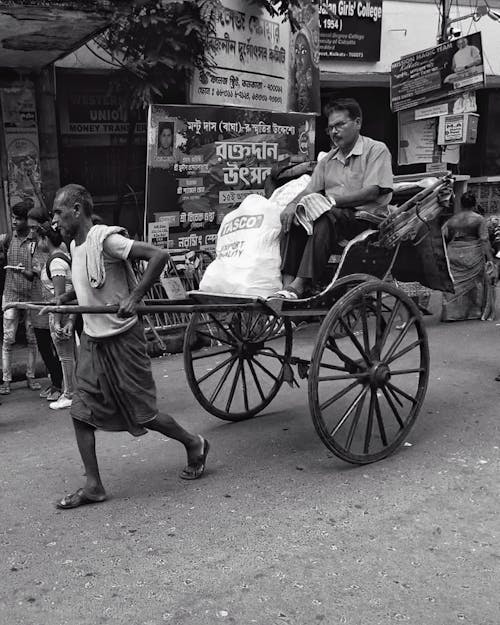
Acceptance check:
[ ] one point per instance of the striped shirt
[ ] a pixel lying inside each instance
(17, 288)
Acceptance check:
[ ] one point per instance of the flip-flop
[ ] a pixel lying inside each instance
(76, 499)
(196, 469)
(497, 378)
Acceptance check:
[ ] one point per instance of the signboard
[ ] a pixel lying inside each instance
(158, 233)
(464, 103)
(448, 69)
(417, 139)
(213, 158)
(460, 128)
(259, 63)
(21, 142)
(89, 114)
(350, 30)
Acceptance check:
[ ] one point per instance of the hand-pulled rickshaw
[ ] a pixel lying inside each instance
(368, 372)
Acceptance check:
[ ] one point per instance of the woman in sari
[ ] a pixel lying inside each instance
(471, 265)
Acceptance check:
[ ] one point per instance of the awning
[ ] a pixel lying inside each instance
(35, 33)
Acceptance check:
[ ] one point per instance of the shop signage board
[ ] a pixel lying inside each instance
(350, 30)
(259, 63)
(202, 161)
(90, 115)
(20, 131)
(451, 68)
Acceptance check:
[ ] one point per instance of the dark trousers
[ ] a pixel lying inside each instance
(306, 256)
(49, 356)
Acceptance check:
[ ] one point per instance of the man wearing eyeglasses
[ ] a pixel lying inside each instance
(356, 175)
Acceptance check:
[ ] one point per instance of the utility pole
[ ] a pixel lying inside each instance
(445, 9)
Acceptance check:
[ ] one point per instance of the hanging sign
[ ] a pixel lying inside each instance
(448, 69)
(350, 30)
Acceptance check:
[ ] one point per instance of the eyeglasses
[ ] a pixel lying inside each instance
(338, 126)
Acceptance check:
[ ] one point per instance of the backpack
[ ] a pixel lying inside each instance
(54, 255)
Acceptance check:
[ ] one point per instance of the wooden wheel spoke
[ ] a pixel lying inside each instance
(348, 412)
(261, 366)
(256, 379)
(395, 397)
(380, 421)
(331, 367)
(355, 420)
(407, 371)
(369, 423)
(354, 339)
(400, 391)
(347, 376)
(364, 323)
(388, 327)
(409, 324)
(245, 389)
(233, 387)
(345, 359)
(209, 354)
(213, 371)
(378, 318)
(404, 351)
(338, 395)
(221, 382)
(213, 337)
(393, 408)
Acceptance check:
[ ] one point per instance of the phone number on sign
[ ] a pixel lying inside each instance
(232, 197)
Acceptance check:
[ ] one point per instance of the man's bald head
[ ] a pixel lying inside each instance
(75, 196)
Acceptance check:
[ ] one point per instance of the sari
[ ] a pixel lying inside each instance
(466, 234)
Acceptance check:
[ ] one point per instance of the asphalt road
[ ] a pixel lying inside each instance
(278, 531)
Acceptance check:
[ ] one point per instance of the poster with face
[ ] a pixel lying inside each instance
(202, 161)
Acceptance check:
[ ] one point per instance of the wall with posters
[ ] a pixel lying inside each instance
(203, 160)
(259, 63)
(20, 138)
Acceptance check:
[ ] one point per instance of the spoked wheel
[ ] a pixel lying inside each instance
(242, 367)
(367, 387)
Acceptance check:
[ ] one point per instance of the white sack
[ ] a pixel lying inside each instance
(248, 245)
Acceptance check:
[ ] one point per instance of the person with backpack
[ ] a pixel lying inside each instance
(16, 256)
(55, 277)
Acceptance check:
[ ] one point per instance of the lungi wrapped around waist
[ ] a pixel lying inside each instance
(115, 386)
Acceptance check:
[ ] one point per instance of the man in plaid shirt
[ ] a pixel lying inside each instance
(18, 251)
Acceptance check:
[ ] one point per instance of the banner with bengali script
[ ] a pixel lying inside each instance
(203, 161)
(259, 63)
(21, 143)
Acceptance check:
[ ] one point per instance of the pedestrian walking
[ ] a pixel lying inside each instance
(115, 390)
(16, 254)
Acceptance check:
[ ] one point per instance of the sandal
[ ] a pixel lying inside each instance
(76, 499)
(285, 294)
(196, 469)
(33, 385)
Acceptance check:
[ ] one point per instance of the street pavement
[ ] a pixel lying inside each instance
(278, 531)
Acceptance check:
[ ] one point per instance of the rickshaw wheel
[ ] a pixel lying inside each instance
(368, 382)
(243, 363)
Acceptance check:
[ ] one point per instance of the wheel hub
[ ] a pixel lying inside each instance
(379, 374)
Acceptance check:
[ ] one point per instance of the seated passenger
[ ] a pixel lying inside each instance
(357, 176)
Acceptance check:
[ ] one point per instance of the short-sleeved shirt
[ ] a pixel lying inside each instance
(367, 164)
(58, 267)
(21, 249)
(469, 55)
(116, 249)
